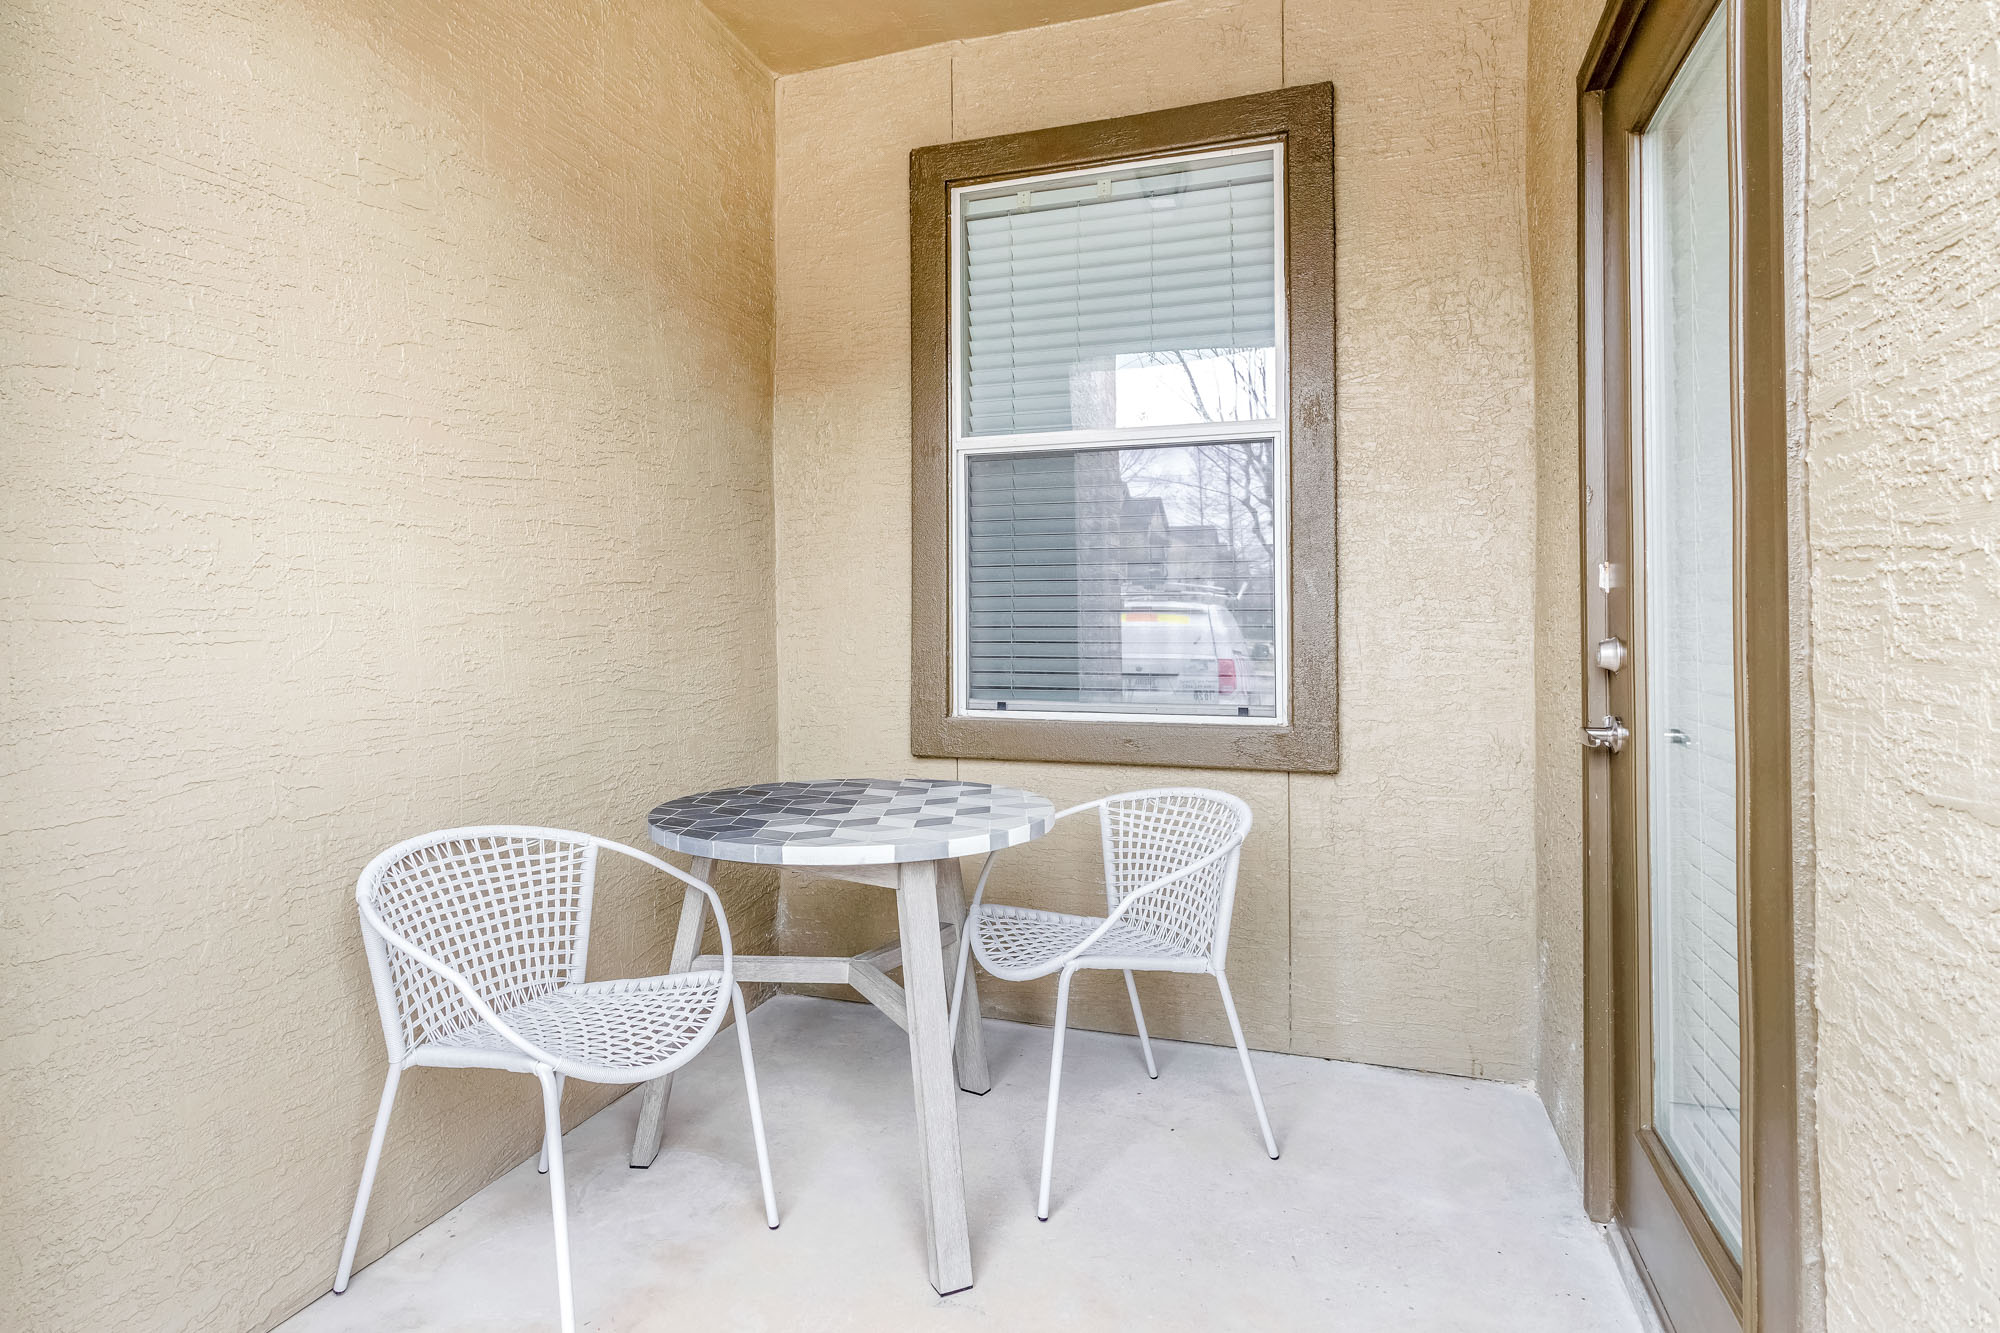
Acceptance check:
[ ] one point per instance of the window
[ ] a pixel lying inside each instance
(1117, 449)
(1122, 439)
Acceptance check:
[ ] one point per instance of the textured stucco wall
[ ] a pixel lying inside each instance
(1903, 402)
(1386, 913)
(385, 402)
(1559, 31)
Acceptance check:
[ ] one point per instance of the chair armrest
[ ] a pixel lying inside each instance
(714, 901)
(465, 989)
(986, 866)
(1125, 903)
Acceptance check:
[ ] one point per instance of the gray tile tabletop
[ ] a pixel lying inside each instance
(850, 821)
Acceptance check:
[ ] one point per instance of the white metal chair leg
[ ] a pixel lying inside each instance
(1055, 1089)
(756, 1111)
(1249, 1075)
(558, 1197)
(368, 1166)
(542, 1162)
(1139, 1017)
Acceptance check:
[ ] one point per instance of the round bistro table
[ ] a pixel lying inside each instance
(905, 835)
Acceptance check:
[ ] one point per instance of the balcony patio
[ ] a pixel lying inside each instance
(1506, 491)
(1402, 1201)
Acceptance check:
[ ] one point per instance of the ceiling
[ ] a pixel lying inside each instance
(793, 35)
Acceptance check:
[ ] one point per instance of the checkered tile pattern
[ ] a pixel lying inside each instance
(850, 821)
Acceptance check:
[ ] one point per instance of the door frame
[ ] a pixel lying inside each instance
(1768, 1291)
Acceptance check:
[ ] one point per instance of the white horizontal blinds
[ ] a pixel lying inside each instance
(1026, 583)
(1122, 580)
(1690, 608)
(1064, 277)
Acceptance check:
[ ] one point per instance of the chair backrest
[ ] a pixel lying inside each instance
(1149, 835)
(507, 908)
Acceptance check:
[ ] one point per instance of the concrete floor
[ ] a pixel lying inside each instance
(1402, 1202)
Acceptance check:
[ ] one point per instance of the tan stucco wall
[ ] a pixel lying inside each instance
(1903, 311)
(386, 413)
(1387, 913)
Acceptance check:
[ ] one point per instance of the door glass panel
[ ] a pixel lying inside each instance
(1690, 645)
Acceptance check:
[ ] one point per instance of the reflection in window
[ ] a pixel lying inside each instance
(1178, 387)
(1124, 580)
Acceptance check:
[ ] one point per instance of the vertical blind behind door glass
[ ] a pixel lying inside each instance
(1136, 296)
(1690, 606)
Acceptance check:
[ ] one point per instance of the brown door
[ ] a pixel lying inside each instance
(1685, 585)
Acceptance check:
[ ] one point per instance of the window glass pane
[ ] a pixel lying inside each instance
(1137, 296)
(1123, 580)
(1690, 662)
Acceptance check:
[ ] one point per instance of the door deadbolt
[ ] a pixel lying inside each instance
(1612, 654)
(1610, 734)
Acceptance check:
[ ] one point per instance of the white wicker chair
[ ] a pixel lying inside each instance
(1170, 860)
(477, 938)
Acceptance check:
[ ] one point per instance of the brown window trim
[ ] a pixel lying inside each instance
(1302, 118)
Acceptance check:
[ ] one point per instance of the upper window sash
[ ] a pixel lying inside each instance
(1071, 183)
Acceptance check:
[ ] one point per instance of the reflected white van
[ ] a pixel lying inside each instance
(1189, 652)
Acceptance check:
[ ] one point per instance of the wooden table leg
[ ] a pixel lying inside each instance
(969, 1051)
(917, 891)
(687, 945)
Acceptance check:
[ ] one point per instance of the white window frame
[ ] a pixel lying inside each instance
(964, 447)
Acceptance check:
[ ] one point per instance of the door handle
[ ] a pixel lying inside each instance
(1610, 734)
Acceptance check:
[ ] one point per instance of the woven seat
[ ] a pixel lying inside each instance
(476, 941)
(612, 1026)
(1170, 859)
(1017, 943)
